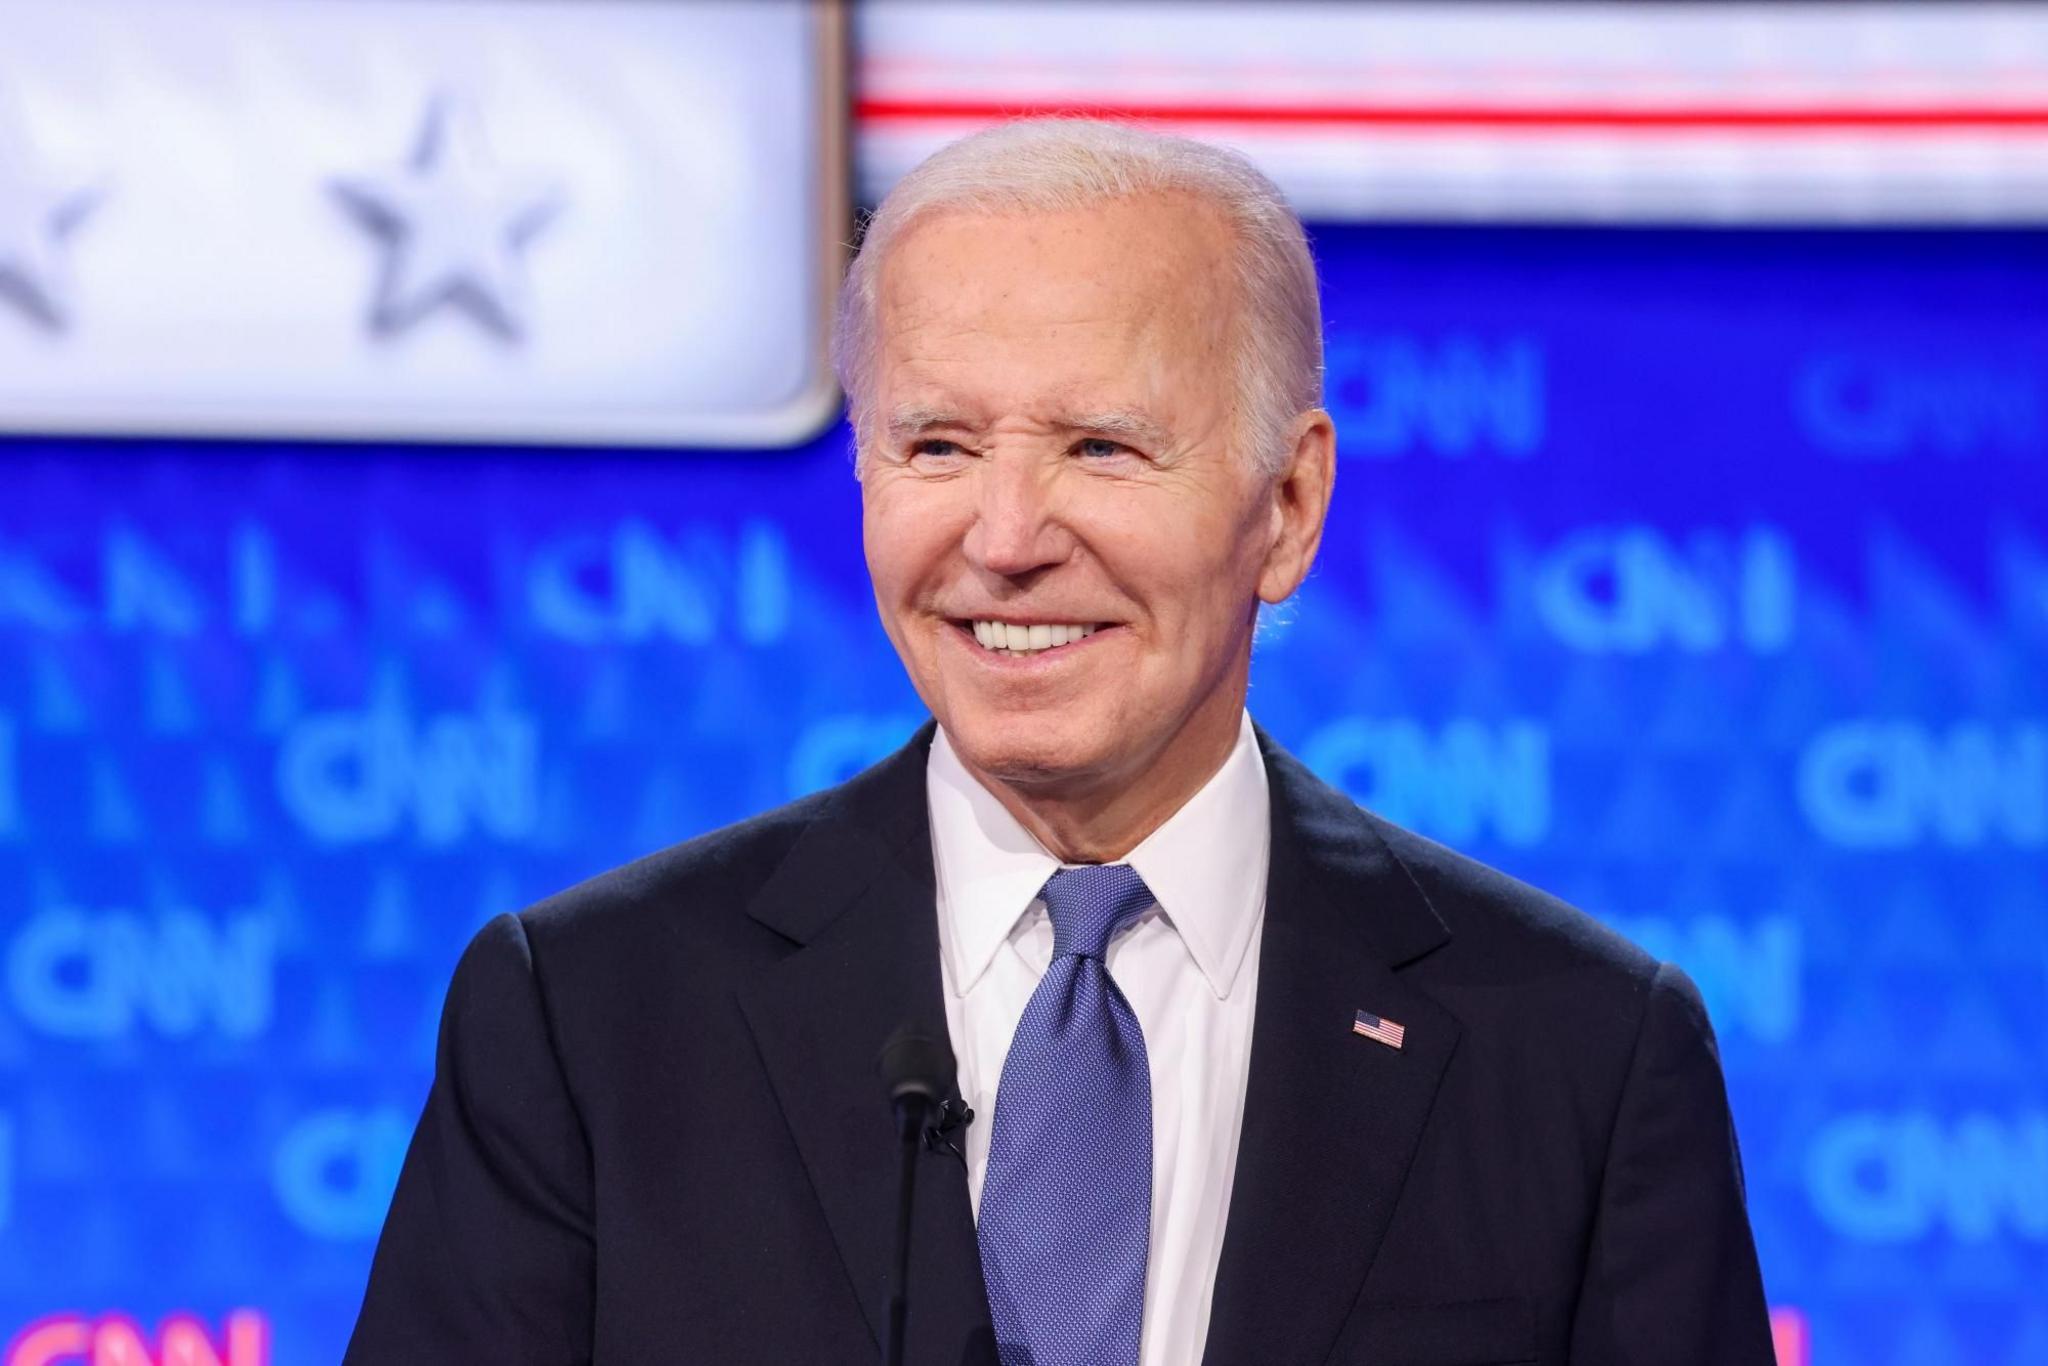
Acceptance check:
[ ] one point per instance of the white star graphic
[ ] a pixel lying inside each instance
(454, 224)
(39, 208)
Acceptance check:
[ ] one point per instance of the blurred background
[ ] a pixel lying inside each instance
(423, 489)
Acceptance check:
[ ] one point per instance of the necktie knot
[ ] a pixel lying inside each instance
(1089, 905)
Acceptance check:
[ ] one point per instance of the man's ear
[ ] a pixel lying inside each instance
(1300, 497)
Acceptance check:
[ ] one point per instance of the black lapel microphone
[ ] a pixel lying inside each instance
(953, 1116)
(918, 1074)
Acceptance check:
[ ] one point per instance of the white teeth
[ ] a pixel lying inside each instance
(1014, 639)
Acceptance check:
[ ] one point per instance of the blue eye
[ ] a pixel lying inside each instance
(934, 446)
(1098, 447)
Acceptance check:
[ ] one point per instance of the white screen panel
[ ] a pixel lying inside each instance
(571, 221)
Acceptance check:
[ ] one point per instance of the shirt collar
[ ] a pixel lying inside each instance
(1206, 866)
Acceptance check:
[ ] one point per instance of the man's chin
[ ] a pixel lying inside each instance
(1031, 752)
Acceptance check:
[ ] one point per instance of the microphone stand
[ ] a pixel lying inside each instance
(911, 1132)
(919, 1075)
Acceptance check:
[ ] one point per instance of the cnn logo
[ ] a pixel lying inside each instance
(117, 1340)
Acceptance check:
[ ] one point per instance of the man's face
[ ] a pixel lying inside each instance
(1053, 453)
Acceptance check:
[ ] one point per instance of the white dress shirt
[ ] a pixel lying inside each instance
(1188, 966)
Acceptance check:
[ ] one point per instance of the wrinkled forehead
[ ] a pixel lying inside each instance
(1137, 292)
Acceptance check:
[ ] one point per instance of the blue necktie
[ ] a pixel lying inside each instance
(1066, 1203)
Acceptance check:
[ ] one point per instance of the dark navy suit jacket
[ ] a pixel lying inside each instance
(656, 1133)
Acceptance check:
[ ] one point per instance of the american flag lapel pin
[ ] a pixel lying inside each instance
(1373, 1027)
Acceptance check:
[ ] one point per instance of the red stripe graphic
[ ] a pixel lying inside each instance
(1926, 118)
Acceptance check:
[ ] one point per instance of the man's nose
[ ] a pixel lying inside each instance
(1015, 528)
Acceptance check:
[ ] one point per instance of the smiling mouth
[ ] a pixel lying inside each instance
(1018, 642)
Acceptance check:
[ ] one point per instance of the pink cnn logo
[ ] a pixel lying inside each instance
(1788, 1335)
(117, 1340)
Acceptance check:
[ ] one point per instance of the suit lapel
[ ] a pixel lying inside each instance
(856, 893)
(1331, 1117)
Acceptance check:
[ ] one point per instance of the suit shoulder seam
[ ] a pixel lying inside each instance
(547, 1023)
(1628, 1070)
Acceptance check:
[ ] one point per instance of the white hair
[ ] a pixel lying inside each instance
(1051, 165)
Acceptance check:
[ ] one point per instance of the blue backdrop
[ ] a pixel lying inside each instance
(1701, 578)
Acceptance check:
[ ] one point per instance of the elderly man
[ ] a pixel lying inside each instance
(1256, 1076)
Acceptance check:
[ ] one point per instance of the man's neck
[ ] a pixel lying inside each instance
(1102, 821)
